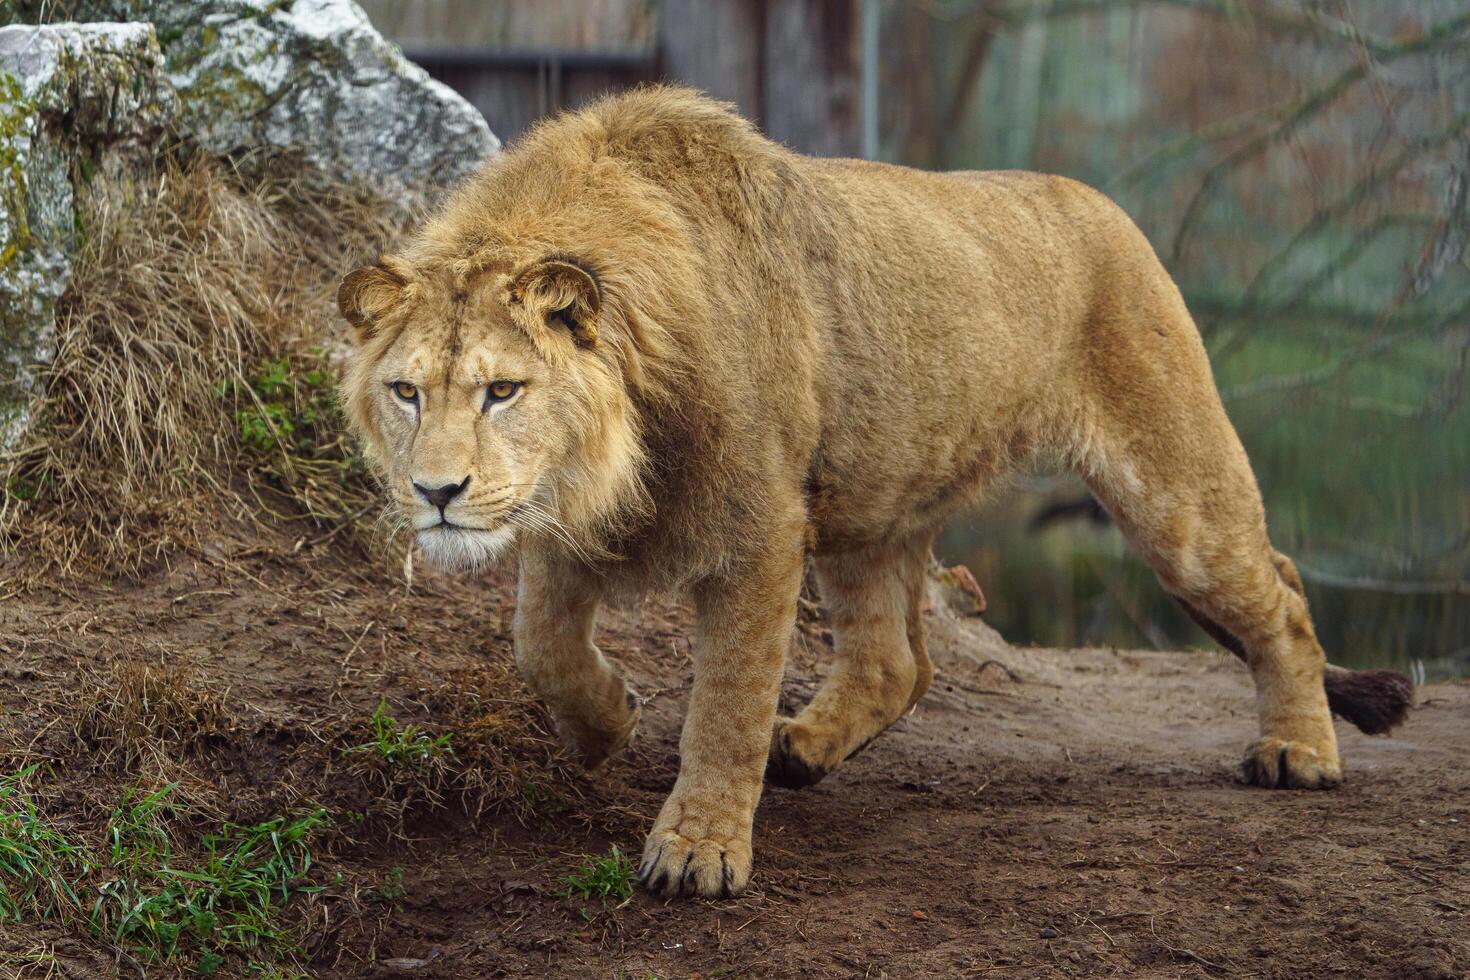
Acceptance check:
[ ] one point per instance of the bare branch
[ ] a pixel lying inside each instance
(1442, 35)
(1346, 203)
(1367, 583)
(1276, 383)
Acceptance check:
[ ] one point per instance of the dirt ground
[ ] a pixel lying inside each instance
(1041, 813)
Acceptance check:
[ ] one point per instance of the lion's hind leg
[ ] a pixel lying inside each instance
(1155, 446)
(1209, 549)
(873, 599)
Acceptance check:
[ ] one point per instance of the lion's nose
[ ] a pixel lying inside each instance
(441, 496)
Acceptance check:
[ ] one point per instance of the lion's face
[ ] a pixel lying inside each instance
(469, 426)
(476, 420)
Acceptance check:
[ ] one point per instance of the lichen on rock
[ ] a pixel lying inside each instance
(75, 100)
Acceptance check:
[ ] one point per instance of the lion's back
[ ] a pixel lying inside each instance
(963, 330)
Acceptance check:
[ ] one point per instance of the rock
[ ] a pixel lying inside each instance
(408, 964)
(310, 78)
(75, 101)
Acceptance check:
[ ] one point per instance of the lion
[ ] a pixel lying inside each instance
(648, 349)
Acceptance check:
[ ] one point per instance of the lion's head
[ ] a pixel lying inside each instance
(493, 402)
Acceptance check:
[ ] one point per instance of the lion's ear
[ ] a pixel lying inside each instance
(368, 293)
(562, 292)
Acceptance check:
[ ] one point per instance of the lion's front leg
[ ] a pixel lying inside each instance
(556, 609)
(700, 843)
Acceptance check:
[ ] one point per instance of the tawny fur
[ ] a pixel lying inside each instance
(732, 354)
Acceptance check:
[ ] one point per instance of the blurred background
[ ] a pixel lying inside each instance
(1301, 166)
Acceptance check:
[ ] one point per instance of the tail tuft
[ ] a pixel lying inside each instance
(1373, 700)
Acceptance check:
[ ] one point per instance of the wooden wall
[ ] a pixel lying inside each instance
(790, 65)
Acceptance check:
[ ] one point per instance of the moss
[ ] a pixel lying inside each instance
(216, 86)
(86, 169)
(223, 88)
(15, 117)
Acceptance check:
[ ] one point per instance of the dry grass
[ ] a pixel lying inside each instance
(488, 750)
(142, 717)
(509, 760)
(127, 724)
(190, 284)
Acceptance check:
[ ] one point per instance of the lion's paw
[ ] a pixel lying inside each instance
(803, 753)
(595, 743)
(704, 867)
(1280, 764)
(800, 755)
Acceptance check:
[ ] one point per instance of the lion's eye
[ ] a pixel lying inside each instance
(500, 391)
(405, 390)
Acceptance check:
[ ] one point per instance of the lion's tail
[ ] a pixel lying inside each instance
(1374, 700)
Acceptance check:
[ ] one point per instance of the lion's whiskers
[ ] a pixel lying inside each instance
(534, 517)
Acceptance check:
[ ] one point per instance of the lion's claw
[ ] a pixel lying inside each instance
(1280, 764)
(675, 865)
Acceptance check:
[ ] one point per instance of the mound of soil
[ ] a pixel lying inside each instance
(1041, 812)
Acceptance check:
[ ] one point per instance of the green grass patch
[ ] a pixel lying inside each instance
(395, 743)
(390, 890)
(288, 405)
(25, 488)
(39, 867)
(291, 428)
(194, 903)
(543, 800)
(226, 901)
(609, 876)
